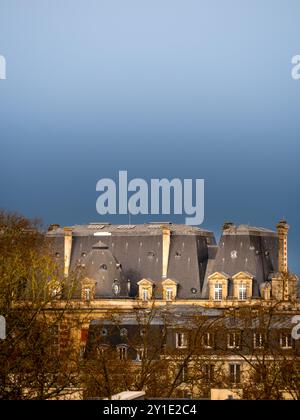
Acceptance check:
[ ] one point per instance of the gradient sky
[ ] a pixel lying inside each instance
(160, 88)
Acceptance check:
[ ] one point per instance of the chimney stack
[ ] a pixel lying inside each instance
(165, 250)
(67, 249)
(282, 230)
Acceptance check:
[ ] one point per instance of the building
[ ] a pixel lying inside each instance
(174, 262)
(182, 274)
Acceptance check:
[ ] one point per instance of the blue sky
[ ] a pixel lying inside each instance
(160, 88)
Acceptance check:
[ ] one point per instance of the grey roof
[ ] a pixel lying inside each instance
(102, 267)
(243, 248)
(193, 257)
(139, 250)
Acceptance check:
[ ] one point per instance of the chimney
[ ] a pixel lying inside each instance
(67, 249)
(282, 230)
(165, 250)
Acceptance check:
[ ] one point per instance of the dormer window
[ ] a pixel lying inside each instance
(258, 340)
(169, 290)
(169, 293)
(181, 340)
(218, 286)
(207, 340)
(87, 289)
(104, 332)
(242, 285)
(87, 294)
(286, 341)
(145, 289)
(233, 340)
(55, 293)
(116, 289)
(145, 294)
(242, 292)
(218, 291)
(123, 332)
(151, 255)
(141, 354)
(103, 267)
(122, 352)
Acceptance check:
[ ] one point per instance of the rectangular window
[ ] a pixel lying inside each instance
(258, 340)
(208, 372)
(181, 340)
(242, 292)
(207, 340)
(235, 373)
(82, 351)
(182, 372)
(87, 294)
(145, 294)
(169, 294)
(55, 347)
(218, 291)
(122, 352)
(141, 354)
(233, 340)
(286, 341)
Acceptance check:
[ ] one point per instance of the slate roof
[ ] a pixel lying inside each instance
(194, 254)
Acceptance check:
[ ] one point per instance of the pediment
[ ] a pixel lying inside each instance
(169, 282)
(242, 275)
(145, 282)
(218, 276)
(88, 281)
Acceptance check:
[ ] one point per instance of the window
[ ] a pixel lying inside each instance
(87, 294)
(218, 291)
(123, 332)
(116, 289)
(102, 349)
(207, 340)
(208, 372)
(235, 374)
(233, 340)
(286, 340)
(182, 372)
(181, 340)
(151, 255)
(122, 351)
(103, 267)
(104, 332)
(145, 294)
(169, 293)
(55, 293)
(141, 354)
(54, 332)
(82, 351)
(242, 292)
(258, 340)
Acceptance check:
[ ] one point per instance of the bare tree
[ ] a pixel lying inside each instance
(33, 364)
